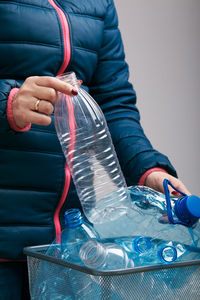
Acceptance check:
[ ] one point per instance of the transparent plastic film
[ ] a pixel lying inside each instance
(87, 146)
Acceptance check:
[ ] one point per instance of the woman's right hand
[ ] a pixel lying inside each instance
(34, 101)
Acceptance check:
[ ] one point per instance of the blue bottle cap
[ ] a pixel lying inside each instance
(187, 209)
(73, 217)
(193, 205)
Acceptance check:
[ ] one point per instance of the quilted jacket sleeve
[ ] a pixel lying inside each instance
(6, 85)
(117, 98)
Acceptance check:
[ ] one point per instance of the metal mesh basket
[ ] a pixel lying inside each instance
(179, 280)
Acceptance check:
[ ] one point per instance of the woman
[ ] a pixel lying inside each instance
(40, 40)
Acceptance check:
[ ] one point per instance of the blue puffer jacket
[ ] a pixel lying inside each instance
(48, 37)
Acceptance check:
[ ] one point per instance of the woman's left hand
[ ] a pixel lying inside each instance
(155, 181)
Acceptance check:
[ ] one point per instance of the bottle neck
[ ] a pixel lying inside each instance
(73, 217)
(93, 254)
(70, 78)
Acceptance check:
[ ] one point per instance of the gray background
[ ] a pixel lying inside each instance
(162, 46)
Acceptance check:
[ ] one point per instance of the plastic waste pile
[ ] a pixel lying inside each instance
(129, 227)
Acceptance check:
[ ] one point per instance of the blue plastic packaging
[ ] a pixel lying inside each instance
(158, 216)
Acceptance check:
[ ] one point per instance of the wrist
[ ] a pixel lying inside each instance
(9, 113)
(143, 178)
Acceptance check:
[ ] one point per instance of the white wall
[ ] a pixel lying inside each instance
(162, 45)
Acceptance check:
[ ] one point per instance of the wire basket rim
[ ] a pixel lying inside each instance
(35, 252)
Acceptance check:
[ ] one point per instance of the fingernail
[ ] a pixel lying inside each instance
(74, 92)
(175, 193)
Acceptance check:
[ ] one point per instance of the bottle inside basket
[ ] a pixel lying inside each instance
(55, 281)
(104, 256)
(86, 142)
(75, 234)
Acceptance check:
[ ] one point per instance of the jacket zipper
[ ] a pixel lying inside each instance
(66, 36)
(67, 56)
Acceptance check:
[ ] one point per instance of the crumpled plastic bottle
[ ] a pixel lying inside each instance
(153, 215)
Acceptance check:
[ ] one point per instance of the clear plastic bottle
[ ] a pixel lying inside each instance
(75, 234)
(73, 237)
(86, 142)
(104, 256)
(66, 247)
(52, 279)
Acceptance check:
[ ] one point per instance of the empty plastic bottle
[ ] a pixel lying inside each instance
(135, 247)
(183, 210)
(76, 233)
(160, 252)
(157, 216)
(164, 217)
(104, 256)
(86, 142)
(53, 281)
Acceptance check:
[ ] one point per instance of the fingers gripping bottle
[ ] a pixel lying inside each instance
(86, 142)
